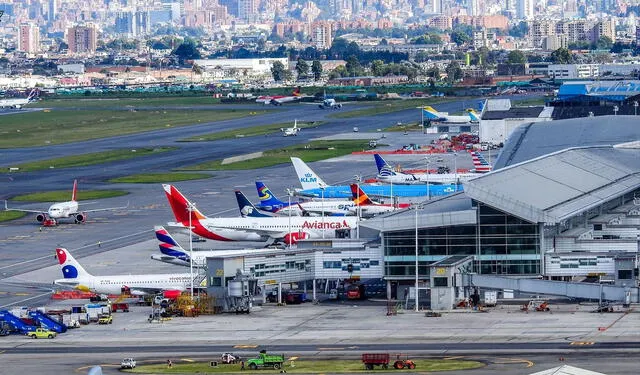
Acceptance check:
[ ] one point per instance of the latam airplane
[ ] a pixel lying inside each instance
(263, 229)
(62, 210)
(269, 202)
(429, 113)
(313, 186)
(387, 174)
(277, 100)
(75, 276)
(18, 103)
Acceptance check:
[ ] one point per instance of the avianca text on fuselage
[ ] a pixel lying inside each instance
(325, 225)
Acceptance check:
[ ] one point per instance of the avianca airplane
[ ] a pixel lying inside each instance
(171, 252)
(314, 186)
(269, 202)
(480, 163)
(369, 208)
(62, 210)
(18, 103)
(291, 131)
(253, 228)
(75, 276)
(387, 174)
(429, 113)
(281, 99)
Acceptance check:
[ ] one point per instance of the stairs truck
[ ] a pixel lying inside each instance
(265, 360)
(47, 322)
(16, 322)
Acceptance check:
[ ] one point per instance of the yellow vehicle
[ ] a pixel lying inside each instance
(107, 319)
(41, 333)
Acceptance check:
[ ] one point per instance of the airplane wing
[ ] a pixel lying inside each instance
(6, 208)
(107, 209)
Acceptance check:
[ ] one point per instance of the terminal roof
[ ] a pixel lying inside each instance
(514, 112)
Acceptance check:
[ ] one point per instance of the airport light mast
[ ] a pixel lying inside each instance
(416, 287)
(190, 208)
(358, 179)
(322, 187)
(289, 192)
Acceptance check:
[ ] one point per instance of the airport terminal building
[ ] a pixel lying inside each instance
(562, 215)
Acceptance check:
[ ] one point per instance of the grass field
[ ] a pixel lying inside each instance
(63, 195)
(64, 126)
(251, 131)
(11, 215)
(310, 152)
(150, 178)
(95, 103)
(389, 106)
(307, 367)
(87, 159)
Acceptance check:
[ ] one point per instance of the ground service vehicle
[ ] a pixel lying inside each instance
(265, 360)
(375, 359)
(41, 333)
(120, 307)
(400, 364)
(128, 363)
(108, 319)
(229, 358)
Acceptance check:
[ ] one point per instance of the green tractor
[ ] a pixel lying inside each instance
(265, 360)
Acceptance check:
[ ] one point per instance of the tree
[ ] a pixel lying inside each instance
(316, 69)
(187, 50)
(278, 71)
(561, 56)
(377, 68)
(353, 66)
(454, 72)
(516, 57)
(520, 30)
(604, 43)
(459, 37)
(302, 68)
(433, 72)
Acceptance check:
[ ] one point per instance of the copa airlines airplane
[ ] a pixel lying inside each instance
(62, 210)
(387, 174)
(75, 276)
(429, 113)
(313, 186)
(18, 103)
(270, 203)
(253, 228)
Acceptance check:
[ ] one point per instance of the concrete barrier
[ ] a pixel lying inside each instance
(235, 159)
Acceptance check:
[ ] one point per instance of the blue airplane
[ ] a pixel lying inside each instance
(314, 186)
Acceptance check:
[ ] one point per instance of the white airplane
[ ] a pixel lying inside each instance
(429, 113)
(18, 103)
(62, 210)
(252, 228)
(369, 208)
(291, 131)
(281, 99)
(270, 203)
(387, 174)
(330, 104)
(75, 276)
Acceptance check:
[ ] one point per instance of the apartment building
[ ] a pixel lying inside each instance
(29, 38)
(82, 39)
(578, 30)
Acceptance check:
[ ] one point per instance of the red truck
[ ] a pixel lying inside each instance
(120, 306)
(375, 359)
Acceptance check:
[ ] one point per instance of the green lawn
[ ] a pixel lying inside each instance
(251, 131)
(63, 195)
(150, 178)
(11, 215)
(87, 159)
(64, 126)
(307, 367)
(96, 103)
(388, 106)
(310, 152)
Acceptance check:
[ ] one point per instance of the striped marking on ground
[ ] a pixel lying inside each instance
(331, 348)
(245, 346)
(187, 360)
(582, 343)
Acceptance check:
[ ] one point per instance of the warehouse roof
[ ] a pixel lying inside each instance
(536, 139)
(514, 112)
(560, 185)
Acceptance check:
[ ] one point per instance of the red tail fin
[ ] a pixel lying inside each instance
(360, 198)
(296, 92)
(75, 190)
(180, 206)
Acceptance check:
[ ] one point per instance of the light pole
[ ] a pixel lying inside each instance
(289, 207)
(615, 110)
(455, 167)
(416, 287)
(358, 178)
(635, 107)
(322, 191)
(190, 208)
(427, 160)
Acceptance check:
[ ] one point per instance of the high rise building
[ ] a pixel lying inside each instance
(125, 23)
(143, 22)
(231, 5)
(29, 38)
(321, 34)
(82, 39)
(51, 11)
(524, 9)
(248, 10)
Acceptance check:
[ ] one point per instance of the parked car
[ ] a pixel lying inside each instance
(42, 333)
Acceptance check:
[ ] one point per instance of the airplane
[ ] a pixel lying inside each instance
(480, 163)
(63, 210)
(329, 104)
(18, 103)
(291, 131)
(388, 175)
(75, 276)
(429, 113)
(281, 99)
(256, 226)
(369, 208)
(313, 186)
(269, 202)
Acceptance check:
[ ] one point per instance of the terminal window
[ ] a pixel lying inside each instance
(440, 281)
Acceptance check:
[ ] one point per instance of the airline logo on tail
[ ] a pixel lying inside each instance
(430, 113)
(359, 197)
(263, 193)
(474, 116)
(71, 269)
(247, 209)
(180, 206)
(308, 178)
(168, 245)
(481, 164)
(384, 169)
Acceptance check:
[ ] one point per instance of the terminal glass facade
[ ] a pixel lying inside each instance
(501, 243)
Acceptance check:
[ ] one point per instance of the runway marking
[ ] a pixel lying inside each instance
(245, 346)
(582, 343)
(21, 294)
(331, 348)
(27, 299)
(187, 360)
(516, 360)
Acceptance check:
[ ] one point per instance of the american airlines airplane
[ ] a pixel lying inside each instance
(18, 103)
(75, 276)
(62, 210)
(254, 228)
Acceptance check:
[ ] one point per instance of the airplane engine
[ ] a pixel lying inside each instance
(81, 218)
(17, 106)
(292, 238)
(40, 218)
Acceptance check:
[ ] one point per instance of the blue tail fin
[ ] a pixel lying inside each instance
(247, 209)
(268, 200)
(384, 169)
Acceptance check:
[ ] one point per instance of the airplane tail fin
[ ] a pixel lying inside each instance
(70, 267)
(247, 209)
(168, 245)
(480, 163)
(384, 169)
(74, 191)
(474, 116)
(267, 198)
(297, 92)
(308, 178)
(430, 113)
(33, 94)
(180, 206)
(360, 197)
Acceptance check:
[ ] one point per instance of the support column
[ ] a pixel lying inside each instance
(388, 290)
(279, 293)
(315, 300)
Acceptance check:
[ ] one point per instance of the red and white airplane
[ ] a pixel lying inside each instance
(263, 229)
(281, 99)
(369, 208)
(62, 210)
